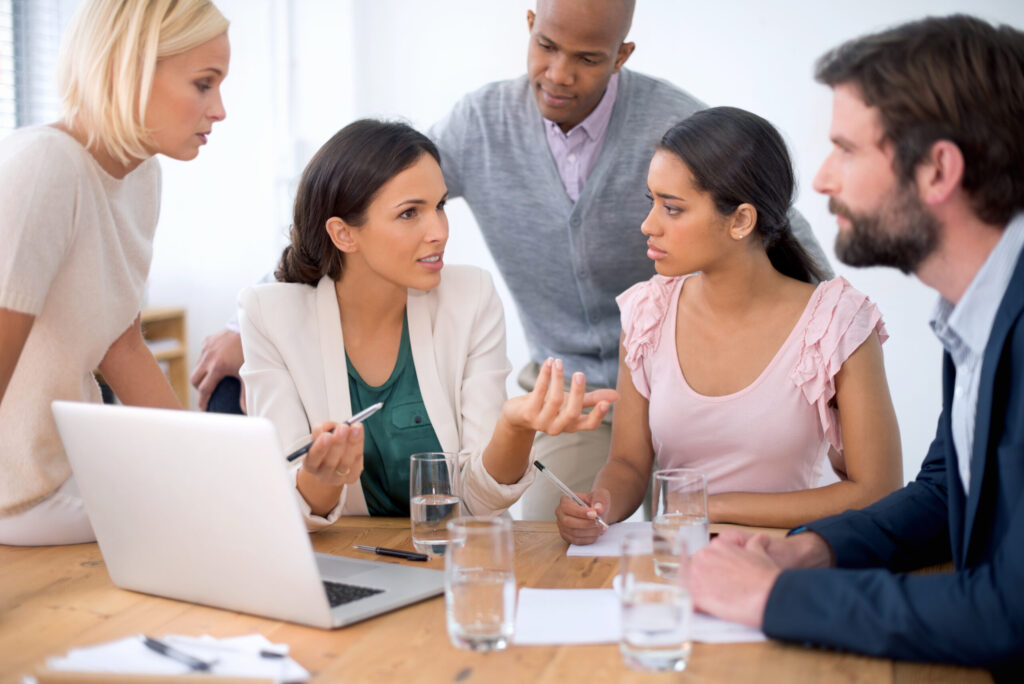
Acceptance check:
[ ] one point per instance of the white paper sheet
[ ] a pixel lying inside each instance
(591, 616)
(567, 616)
(235, 656)
(610, 543)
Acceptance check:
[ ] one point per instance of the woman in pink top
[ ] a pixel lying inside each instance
(743, 369)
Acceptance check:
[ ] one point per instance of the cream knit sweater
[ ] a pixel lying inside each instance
(75, 249)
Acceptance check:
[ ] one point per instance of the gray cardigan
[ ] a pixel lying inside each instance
(564, 263)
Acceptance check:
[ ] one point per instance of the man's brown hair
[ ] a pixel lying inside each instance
(951, 78)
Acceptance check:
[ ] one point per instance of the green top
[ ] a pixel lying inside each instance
(398, 430)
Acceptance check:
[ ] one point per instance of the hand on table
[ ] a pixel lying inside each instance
(576, 523)
(804, 550)
(732, 581)
(220, 357)
(548, 408)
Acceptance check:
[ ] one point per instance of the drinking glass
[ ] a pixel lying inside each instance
(656, 611)
(434, 499)
(680, 516)
(480, 584)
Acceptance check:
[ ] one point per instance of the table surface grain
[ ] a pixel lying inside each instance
(56, 598)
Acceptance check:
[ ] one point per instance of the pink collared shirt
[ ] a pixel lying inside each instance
(576, 152)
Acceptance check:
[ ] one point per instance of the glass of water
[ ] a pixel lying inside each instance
(680, 516)
(480, 584)
(434, 499)
(656, 611)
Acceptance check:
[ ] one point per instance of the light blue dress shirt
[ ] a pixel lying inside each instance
(964, 330)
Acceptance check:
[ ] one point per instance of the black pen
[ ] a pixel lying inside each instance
(362, 415)
(407, 555)
(163, 649)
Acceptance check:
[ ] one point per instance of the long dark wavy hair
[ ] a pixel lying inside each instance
(739, 158)
(340, 181)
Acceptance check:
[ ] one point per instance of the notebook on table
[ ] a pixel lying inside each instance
(199, 507)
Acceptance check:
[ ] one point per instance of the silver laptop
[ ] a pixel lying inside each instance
(199, 507)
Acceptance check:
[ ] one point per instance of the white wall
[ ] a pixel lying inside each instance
(302, 69)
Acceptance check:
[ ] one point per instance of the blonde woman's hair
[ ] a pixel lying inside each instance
(107, 60)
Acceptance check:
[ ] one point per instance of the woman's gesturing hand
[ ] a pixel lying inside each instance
(549, 408)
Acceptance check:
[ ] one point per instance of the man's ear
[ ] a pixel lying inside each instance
(625, 50)
(743, 221)
(940, 173)
(530, 16)
(341, 235)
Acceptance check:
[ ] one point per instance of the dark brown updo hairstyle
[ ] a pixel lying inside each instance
(341, 181)
(739, 158)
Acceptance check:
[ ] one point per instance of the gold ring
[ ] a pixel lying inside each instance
(342, 473)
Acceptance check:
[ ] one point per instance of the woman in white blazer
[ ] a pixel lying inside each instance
(365, 305)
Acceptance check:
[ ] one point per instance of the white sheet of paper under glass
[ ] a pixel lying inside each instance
(610, 543)
(591, 616)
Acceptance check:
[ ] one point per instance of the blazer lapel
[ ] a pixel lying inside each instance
(435, 399)
(1009, 310)
(332, 352)
(955, 499)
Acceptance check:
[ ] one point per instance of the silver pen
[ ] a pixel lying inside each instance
(361, 416)
(571, 494)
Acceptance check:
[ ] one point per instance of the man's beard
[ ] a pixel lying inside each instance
(901, 234)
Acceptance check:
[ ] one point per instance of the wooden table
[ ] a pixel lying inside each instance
(53, 599)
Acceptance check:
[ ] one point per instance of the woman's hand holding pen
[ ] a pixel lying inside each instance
(334, 460)
(549, 408)
(336, 457)
(577, 524)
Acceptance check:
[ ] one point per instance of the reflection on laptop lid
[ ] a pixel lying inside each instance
(200, 507)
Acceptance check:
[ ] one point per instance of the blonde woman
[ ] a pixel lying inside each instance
(79, 201)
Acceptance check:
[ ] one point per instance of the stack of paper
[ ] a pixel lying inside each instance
(610, 543)
(243, 656)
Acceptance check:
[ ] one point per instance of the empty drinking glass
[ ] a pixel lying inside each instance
(680, 516)
(480, 583)
(434, 499)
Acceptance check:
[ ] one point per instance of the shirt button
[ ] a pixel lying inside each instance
(572, 158)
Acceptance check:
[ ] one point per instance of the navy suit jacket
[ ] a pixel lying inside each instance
(973, 616)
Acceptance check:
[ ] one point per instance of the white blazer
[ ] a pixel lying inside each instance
(295, 373)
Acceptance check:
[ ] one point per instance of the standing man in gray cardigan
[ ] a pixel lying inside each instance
(553, 165)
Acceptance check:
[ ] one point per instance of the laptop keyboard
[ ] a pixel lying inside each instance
(338, 593)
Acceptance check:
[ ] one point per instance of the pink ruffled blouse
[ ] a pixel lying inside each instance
(774, 434)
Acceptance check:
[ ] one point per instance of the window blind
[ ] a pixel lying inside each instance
(29, 40)
(8, 116)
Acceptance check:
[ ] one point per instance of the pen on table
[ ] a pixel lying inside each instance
(571, 494)
(225, 648)
(407, 555)
(362, 415)
(164, 649)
